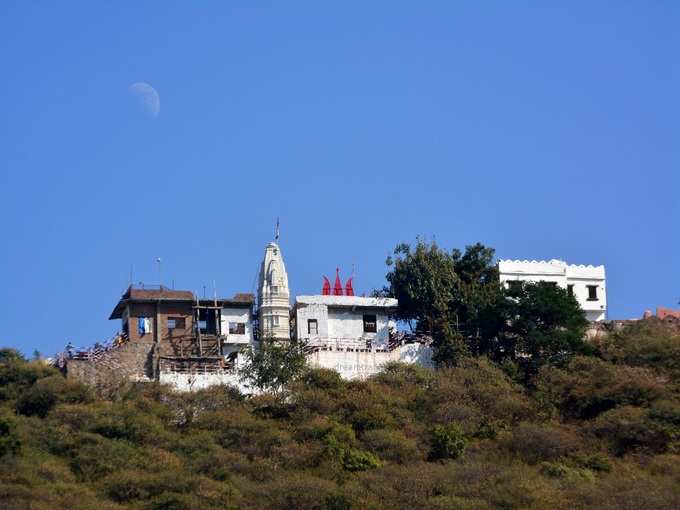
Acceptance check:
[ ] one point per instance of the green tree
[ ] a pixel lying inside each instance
(273, 365)
(449, 295)
(544, 326)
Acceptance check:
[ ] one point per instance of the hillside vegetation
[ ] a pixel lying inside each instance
(600, 431)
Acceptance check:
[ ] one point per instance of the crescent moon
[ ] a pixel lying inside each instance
(147, 97)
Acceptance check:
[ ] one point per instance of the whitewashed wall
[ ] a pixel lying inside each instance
(359, 365)
(194, 382)
(237, 315)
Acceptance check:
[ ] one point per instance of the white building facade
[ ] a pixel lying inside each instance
(356, 336)
(586, 283)
(351, 320)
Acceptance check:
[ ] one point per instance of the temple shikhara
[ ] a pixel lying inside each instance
(175, 337)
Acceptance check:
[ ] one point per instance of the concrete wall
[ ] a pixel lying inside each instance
(193, 382)
(343, 323)
(359, 365)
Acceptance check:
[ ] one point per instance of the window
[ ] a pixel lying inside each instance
(570, 289)
(175, 323)
(237, 328)
(275, 289)
(370, 324)
(275, 320)
(312, 327)
(592, 292)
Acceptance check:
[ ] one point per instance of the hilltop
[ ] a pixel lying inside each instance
(602, 431)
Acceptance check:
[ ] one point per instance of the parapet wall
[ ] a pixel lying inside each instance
(351, 364)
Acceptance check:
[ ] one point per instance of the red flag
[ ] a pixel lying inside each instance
(326, 291)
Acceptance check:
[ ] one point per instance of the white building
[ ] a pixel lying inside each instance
(344, 320)
(236, 328)
(356, 336)
(273, 295)
(586, 283)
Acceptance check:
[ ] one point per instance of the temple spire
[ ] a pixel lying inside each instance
(273, 295)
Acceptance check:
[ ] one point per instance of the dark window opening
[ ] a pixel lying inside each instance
(176, 323)
(570, 289)
(514, 287)
(207, 321)
(370, 324)
(592, 292)
(237, 328)
(312, 327)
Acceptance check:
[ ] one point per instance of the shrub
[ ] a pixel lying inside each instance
(447, 441)
(630, 428)
(391, 445)
(357, 460)
(38, 401)
(295, 492)
(95, 457)
(9, 439)
(534, 443)
(569, 473)
(40, 398)
(589, 387)
(480, 390)
(323, 379)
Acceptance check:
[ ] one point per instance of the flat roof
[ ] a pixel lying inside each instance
(348, 301)
(153, 294)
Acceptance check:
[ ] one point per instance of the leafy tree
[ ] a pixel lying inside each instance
(544, 325)
(445, 294)
(273, 365)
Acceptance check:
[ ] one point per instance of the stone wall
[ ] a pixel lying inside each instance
(133, 361)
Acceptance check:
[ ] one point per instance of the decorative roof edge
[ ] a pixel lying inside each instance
(552, 262)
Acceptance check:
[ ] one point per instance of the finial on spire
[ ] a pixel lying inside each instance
(277, 232)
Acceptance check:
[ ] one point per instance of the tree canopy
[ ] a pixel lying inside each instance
(457, 298)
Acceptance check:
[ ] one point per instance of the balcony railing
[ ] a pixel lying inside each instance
(196, 367)
(315, 344)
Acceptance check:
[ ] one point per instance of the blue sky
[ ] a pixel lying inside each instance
(542, 130)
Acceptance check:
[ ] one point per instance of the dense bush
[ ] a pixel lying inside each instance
(447, 441)
(599, 432)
